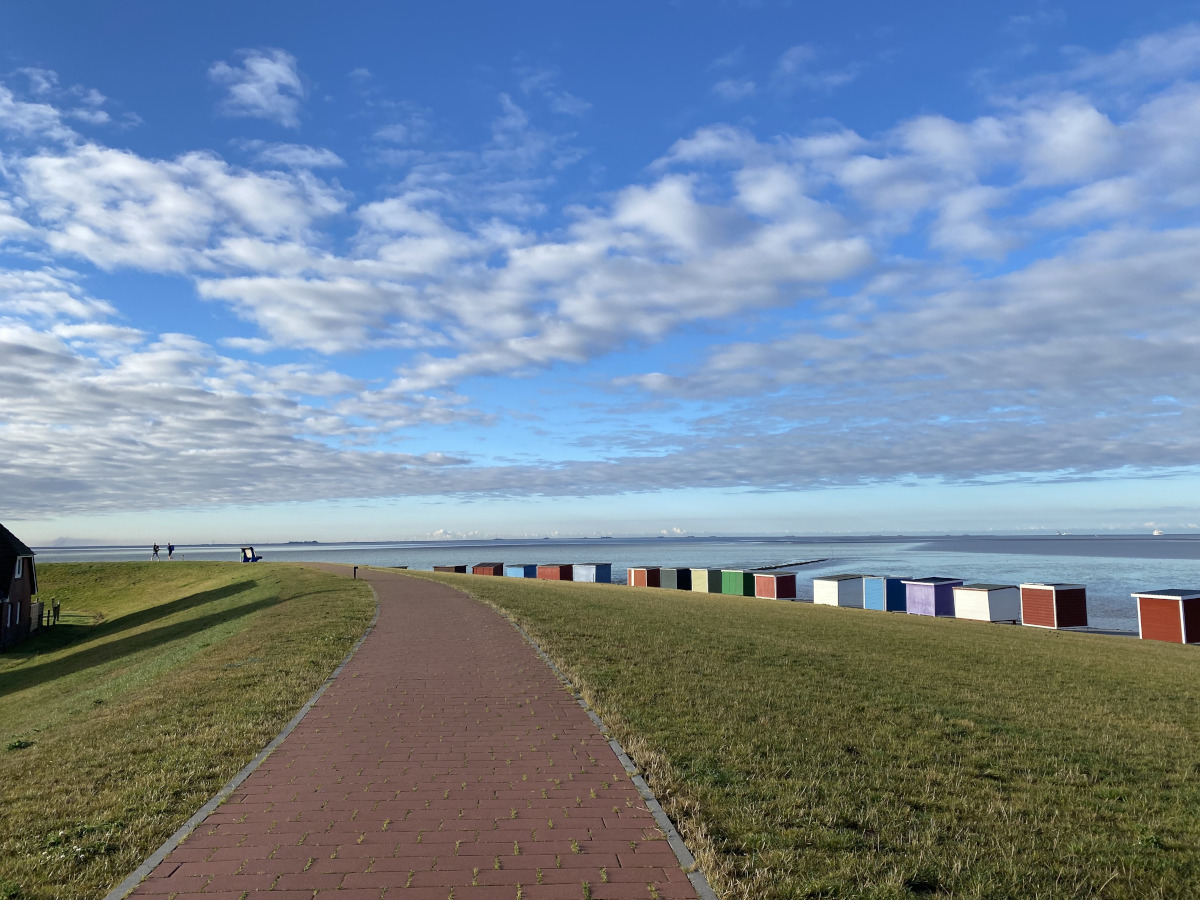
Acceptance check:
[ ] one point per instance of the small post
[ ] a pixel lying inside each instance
(356, 573)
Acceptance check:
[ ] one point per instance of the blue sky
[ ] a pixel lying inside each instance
(363, 271)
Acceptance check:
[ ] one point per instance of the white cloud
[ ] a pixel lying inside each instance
(872, 320)
(295, 156)
(795, 70)
(266, 84)
(544, 83)
(734, 89)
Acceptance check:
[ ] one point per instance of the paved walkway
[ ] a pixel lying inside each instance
(445, 761)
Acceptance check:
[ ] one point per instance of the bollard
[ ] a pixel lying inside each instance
(356, 573)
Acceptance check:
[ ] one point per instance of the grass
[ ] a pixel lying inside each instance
(160, 683)
(809, 751)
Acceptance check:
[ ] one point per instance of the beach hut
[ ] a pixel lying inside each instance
(775, 585)
(644, 576)
(988, 602)
(839, 590)
(520, 570)
(737, 582)
(1169, 615)
(487, 569)
(884, 593)
(930, 596)
(593, 572)
(554, 572)
(707, 581)
(1054, 605)
(462, 569)
(675, 579)
(18, 585)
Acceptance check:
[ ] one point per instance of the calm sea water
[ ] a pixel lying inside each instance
(1111, 566)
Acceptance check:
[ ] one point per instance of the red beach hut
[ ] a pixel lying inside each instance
(646, 576)
(1054, 605)
(775, 585)
(1169, 615)
(462, 569)
(554, 572)
(488, 569)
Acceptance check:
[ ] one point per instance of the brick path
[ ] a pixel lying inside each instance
(445, 761)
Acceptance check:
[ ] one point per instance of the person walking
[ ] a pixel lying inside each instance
(170, 550)
(154, 556)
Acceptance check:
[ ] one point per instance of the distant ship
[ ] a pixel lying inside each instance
(1156, 532)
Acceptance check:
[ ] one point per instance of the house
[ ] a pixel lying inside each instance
(643, 576)
(884, 593)
(988, 602)
(707, 581)
(738, 582)
(1169, 615)
(675, 579)
(18, 584)
(601, 573)
(775, 585)
(1054, 605)
(839, 590)
(930, 596)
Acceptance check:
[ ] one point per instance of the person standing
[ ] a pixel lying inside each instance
(170, 550)
(154, 556)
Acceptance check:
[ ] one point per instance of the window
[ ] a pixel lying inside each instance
(20, 561)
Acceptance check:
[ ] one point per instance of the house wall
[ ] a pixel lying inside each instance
(596, 572)
(1159, 620)
(16, 613)
(706, 580)
(1037, 607)
(1191, 621)
(775, 587)
(1072, 608)
(643, 577)
(1001, 605)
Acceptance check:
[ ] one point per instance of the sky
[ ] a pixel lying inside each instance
(370, 271)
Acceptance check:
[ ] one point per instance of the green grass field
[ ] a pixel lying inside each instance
(160, 683)
(812, 751)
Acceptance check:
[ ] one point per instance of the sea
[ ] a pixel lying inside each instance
(1111, 566)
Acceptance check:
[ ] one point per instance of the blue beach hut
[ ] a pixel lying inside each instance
(931, 596)
(601, 572)
(520, 570)
(884, 593)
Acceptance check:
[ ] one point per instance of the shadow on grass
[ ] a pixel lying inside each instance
(55, 637)
(40, 673)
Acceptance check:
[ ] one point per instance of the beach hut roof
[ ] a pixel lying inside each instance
(987, 587)
(1054, 586)
(837, 577)
(1169, 594)
(933, 581)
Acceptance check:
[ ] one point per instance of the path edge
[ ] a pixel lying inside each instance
(687, 861)
(138, 875)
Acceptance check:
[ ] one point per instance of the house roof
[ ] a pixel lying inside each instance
(12, 544)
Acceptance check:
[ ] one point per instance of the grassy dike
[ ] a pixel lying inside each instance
(811, 751)
(162, 681)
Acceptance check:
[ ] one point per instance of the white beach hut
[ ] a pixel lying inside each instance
(839, 590)
(988, 602)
